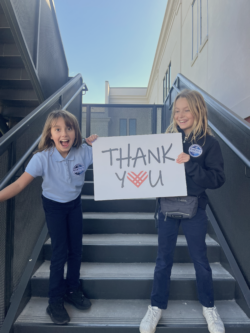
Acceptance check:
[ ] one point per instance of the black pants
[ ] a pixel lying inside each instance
(64, 221)
(195, 230)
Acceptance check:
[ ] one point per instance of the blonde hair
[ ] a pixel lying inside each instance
(70, 120)
(198, 109)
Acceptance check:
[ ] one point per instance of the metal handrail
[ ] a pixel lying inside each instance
(215, 104)
(227, 113)
(243, 158)
(18, 129)
(236, 271)
(18, 294)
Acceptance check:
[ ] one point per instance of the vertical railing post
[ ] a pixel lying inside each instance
(9, 238)
(80, 120)
(88, 120)
(38, 36)
(154, 120)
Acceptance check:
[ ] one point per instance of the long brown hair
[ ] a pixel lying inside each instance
(70, 120)
(198, 109)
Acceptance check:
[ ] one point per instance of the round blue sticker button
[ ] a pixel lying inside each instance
(195, 150)
(78, 169)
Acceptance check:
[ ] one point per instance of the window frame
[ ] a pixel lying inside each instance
(130, 127)
(120, 126)
(193, 4)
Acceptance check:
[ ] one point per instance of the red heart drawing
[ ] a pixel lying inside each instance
(137, 180)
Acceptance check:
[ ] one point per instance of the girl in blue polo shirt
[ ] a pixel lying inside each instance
(61, 160)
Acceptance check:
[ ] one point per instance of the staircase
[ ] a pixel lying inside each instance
(119, 252)
(17, 96)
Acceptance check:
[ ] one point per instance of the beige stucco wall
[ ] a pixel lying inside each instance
(125, 95)
(222, 67)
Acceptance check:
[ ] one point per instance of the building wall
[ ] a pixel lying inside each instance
(221, 66)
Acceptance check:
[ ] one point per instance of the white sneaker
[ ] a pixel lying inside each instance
(150, 320)
(215, 324)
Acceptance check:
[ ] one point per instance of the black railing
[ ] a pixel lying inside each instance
(22, 217)
(229, 205)
(122, 119)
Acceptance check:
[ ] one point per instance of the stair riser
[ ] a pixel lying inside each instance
(116, 329)
(15, 84)
(11, 62)
(138, 289)
(117, 206)
(18, 94)
(130, 254)
(89, 175)
(6, 36)
(88, 189)
(98, 226)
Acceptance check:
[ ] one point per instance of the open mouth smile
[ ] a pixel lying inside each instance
(64, 143)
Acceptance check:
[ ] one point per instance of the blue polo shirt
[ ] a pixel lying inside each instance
(63, 178)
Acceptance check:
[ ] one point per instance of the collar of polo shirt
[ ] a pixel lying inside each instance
(58, 157)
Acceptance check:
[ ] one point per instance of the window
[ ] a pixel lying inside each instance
(132, 126)
(203, 20)
(199, 26)
(169, 77)
(131, 130)
(194, 29)
(164, 89)
(123, 127)
(167, 82)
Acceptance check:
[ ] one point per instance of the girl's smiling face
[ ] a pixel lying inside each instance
(63, 136)
(183, 116)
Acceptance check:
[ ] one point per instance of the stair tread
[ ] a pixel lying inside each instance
(130, 313)
(132, 239)
(91, 197)
(131, 271)
(118, 216)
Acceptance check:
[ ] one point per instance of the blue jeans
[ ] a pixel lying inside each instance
(195, 230)
(64, 221)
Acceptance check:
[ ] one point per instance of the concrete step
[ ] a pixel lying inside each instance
(29, 103)
(119, 316)
(134, 205)
(18, 95)
(134, 280)
(126, 223)
(89, 175)
(11, 61)
(13, 74)
(6, 35)
(131, 248)
(88, 188)
(9, 50)
(3, 21)
(15, 84)
(17, 112)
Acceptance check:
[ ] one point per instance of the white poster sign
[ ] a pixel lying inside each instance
(140, 166)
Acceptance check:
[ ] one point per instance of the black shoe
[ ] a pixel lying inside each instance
(77, 299)
(58, 313)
